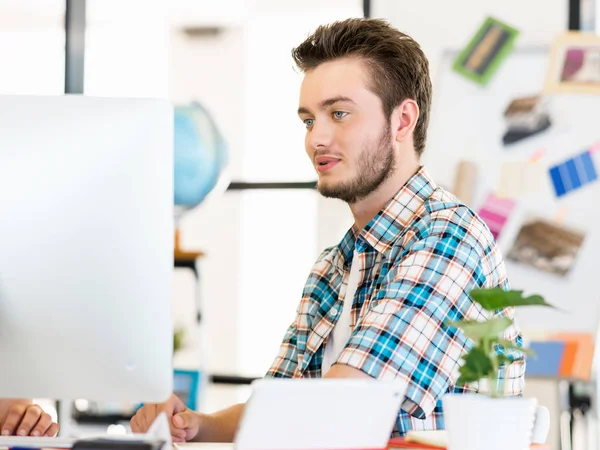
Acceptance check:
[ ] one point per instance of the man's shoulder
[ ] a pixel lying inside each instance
(445, 215)
(327, 259)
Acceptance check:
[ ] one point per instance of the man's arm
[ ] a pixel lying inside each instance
(403, 336)
(343, 371)
(221, 426)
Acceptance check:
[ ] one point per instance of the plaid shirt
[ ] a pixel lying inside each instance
(419, 258)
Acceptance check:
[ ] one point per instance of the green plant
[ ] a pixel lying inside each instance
(483, 361)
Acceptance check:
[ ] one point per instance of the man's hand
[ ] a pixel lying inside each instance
(185, 423)
(24, 419)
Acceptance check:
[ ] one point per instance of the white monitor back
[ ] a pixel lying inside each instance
(86, 248)
(320, 414)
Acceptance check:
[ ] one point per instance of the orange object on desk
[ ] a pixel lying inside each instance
(402, 443)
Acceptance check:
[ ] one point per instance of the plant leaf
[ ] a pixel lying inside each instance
(497, 298)
(466, 376)
(478, 330)
(503, 359)
(476, 365)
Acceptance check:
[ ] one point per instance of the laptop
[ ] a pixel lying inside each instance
(323, 414)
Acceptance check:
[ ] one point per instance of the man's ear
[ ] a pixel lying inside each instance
(404, 119)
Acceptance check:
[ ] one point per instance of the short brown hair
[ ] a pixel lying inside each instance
(398, 67)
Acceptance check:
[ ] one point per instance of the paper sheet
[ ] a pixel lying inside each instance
(520, 179)
(495, 212)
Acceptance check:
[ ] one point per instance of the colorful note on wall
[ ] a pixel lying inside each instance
(520, 178)
(573, 174)
(465, 181)
(547, 246)
(495, 212)
(486, 50)
(562, 355)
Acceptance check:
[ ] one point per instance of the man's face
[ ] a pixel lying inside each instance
(348, 139)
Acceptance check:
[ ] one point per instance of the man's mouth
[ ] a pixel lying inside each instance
(325, 163)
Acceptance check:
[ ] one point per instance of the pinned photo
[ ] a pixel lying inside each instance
(573, 174)
(485, 52)
(520, 179)
(574, 64)
(495, 213)
(547, 246)
(525, 117)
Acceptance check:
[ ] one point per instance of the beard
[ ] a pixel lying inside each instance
(376, 163)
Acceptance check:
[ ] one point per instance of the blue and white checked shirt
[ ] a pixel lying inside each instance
(419, 258)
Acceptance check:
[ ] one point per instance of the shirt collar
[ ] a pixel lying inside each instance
(385, 228)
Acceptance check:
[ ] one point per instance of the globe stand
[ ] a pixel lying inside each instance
(184, 255)
(186, 259)
(180, 254)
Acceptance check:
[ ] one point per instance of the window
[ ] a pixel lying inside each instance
(126, 49)
(32, 45)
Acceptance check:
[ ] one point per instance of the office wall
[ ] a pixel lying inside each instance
(437, 25)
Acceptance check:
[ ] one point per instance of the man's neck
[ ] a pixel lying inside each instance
(367, 208)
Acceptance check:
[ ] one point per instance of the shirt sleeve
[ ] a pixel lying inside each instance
(286, 361)
(403, 336)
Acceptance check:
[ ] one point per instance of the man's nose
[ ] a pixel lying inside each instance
(321, 135)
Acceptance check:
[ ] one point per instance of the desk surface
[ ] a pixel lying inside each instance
(186, 446)
(203, 446)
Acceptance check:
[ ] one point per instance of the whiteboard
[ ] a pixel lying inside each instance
(467, 123)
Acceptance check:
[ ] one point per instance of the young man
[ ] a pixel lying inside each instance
(22, 418)
(375, 305)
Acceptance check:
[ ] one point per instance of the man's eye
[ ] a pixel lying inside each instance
(309, 122)
(339, 114)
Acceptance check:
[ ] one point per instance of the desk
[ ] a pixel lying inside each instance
(227, 446)
(66, 444)
(203, 446)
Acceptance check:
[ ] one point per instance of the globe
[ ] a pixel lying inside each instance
(201, 157)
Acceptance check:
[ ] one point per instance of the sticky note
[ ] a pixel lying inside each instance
(486, 50)
(548, 358)
(520, 179)
(573, 174)
(495, 212)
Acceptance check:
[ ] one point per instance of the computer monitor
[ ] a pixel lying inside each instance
(86, 248)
